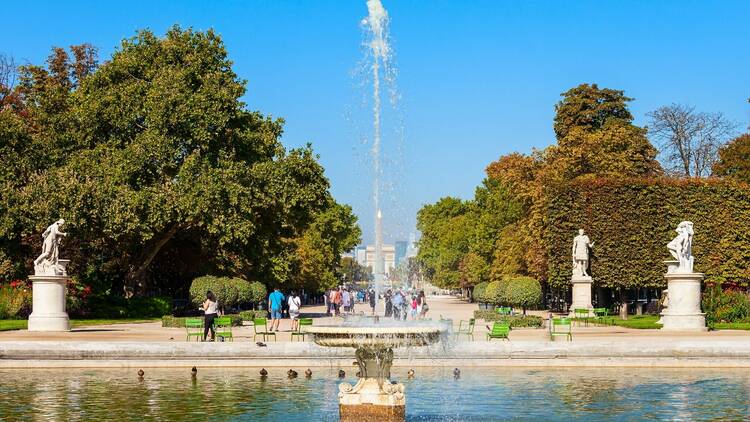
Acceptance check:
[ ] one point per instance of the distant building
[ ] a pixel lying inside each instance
(389, 257)
(400, 248)
(361, 255)
(412, 248)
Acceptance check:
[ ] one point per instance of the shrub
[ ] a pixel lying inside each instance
(495, 293)
(478, 293)
(15, 300)
(523, 292)
(725, 305)
(515, 321)
(251, 315)
(230, 292)
(120, 307)
(179, 322)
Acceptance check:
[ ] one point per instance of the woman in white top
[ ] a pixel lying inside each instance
(294, 304)
(210, 307)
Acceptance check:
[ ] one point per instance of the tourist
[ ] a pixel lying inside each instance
(294, 304)
(275, 299)
(423, 300)
(372, 300)
(336, 299)
(327, 302)
(331, 301)
(404, 305)
(388, 304)
(346, 300)
(397, 301)
(210, 307)
(414, 307)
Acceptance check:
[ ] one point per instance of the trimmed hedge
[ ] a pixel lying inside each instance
(229, 291)
(495, 293)
(477, 293)
(179, 322)
(522, 292)
(632, 220)
(515, 321)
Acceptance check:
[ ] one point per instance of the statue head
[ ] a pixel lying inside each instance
(580, 232)
(60, 222)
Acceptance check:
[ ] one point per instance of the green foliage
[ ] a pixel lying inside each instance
(515, 321)
(589, 107)
(161, 172)
(495, 293)
(229, 292)
(478, 294)
(630, 240)
(722, 306)
(523, 292)
(258, 292)
(642, 322)
(734, 159)
(15, 300)
(179, 322)
(251, 315)
(137, 307)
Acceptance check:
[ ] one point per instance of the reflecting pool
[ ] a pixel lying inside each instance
(480, 394)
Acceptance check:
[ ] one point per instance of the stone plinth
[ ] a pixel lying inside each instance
(581, 293)
(684, 310)
(48, 298)
(369, 401)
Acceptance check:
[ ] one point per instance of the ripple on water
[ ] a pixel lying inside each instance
(481, 394)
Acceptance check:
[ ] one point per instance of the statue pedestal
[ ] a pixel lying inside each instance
(48, 299)
(684, 310)
(581, 294)
(368, 401)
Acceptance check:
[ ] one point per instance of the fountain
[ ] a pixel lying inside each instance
(374, 397)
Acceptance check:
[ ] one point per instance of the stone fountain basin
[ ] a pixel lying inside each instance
(374, 337)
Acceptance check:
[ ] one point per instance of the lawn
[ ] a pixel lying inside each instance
(638, 321)
(20, 324)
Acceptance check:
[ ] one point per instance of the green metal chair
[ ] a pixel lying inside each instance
(601, 315)
(582, 315)
(499, 330)
(561, 327)
(504, 310)
(194, 328)
(223, 328)
(260, 328)
(299, 332)
(468, 331)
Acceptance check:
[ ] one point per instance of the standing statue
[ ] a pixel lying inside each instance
(681, 247)
(51, 245)
(581, 245)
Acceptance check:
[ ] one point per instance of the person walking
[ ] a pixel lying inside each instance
(327, 302)
(346, 300)
(337, 301)
(388, 304)
(422, 299)
(210, 308)
(397, 301)
(294, 305)
(275, 299)
(371, 296)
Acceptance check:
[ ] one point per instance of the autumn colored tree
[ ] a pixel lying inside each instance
(734, 159)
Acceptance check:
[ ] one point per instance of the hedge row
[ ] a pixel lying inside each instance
(631, 222)
(515, 321)
(228, 291)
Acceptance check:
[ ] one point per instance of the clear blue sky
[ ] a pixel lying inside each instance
(478, 79)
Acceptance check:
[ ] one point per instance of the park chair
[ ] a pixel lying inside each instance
(499, 330)
(468, 330)
(299, 332)
(194, 328)
(223, 327)
(504, 310)
(561, 327)
(582, 314)
(260, 328)
(601, 315)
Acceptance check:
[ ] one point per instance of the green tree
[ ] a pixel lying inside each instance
(444, 240)
(589, 107)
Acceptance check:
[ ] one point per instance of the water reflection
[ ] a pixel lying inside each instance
(433, 395)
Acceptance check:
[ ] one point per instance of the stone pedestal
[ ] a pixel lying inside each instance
(48, 299)
(369, 400)
(683, 312)
(581, 293)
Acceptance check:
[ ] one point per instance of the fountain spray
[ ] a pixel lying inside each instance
(376, 24)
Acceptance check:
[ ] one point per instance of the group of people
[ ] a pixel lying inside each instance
(341, 301)
(401, 305)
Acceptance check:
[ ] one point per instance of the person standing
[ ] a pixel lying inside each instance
(294, 305)
(346, 300)
(397, 302)
(327, 302)
(210, 308)
(423, 304)
(337, 301)
(388, 304)
(275, 299)
(372, 300)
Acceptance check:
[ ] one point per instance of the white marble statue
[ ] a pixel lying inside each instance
(50, 247)
(681, 247)
(581, 245)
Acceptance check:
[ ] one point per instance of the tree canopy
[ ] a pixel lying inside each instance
(162, 172)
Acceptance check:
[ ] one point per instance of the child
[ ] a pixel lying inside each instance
(413, 307)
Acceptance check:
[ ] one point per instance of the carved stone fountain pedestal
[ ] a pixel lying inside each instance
(48, 298)
(374, 398)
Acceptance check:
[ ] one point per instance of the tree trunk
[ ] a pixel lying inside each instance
(623, 304)
(135, 276)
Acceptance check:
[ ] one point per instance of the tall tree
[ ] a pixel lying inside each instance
(689, 140)
(589, 107)
(734, 159)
